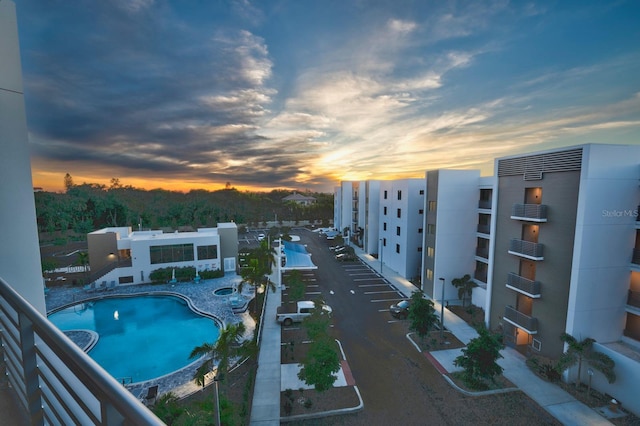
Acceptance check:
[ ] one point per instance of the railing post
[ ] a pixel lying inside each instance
(30, 369)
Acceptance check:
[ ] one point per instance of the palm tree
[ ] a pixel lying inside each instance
(465, 286)
(579, 351)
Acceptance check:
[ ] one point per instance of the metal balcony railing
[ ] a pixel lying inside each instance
(635, 257)
(526, 249)
(54, 380)
(524, 285)
(634, 298)
(484, 204)
(484, 229)
(534, 212)
(482, 252)
(527, 323)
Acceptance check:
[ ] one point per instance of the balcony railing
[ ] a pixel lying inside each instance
(520, 320)
(54, 380)
(635, 257)
(531, 212)
(484, 204)
(482, 252)
(523, 285)
(634, 298)
(527, 249)
(484, 229)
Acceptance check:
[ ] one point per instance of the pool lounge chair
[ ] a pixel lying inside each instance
(151, 396)
(112, 285)
(89, 287)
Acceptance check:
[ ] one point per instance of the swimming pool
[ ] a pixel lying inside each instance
(141, 337)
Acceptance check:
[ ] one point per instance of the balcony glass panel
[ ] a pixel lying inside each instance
(634, 298)
(635, 258)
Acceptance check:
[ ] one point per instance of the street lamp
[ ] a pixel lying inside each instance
(442, 310)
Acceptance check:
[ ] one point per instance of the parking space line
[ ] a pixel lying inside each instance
(375, 285)
(379, 292)
(385, 300)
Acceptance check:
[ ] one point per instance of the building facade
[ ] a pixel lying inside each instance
(118, 254)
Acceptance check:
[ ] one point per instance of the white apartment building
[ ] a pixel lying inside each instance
(118, 254)
(356, 209)
(566, 256)
(457, 229)
(401, 219)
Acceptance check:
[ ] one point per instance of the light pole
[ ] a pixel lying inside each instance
(442, 310)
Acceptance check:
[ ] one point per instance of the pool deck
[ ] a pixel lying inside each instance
(180, 383)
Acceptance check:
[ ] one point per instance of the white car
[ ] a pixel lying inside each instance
(260, 237)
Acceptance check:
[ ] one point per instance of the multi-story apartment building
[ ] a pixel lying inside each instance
(565, 235)
(400, 228)
(356, 209)
(457, 228)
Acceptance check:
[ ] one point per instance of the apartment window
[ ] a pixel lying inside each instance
(385, 195)
(397, 248)
(419, 230)
(399, 195)
(422, 192)
(429, 274)
(384, 210)
(384, 242)
(432, 206)
(421, 211)
(397, 230)
(384, 226)
(399, 213)
(430, 251)
(419, 249)
(207, 252)
(171, 253)
(431, 229)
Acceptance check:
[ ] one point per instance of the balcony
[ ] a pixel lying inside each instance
(484, 229)
(484, 204)
(527, 249)
(54, 380)
(520, 320)
(480, 276)
(523, 285)
(482, 252)
(635, 257)
(634, 298)
(529, 212)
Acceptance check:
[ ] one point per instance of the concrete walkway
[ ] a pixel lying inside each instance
(265, 408)
(564, 407)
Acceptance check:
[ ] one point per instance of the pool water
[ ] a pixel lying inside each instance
(141, 337)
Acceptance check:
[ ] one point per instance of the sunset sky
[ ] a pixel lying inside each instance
(301, 94)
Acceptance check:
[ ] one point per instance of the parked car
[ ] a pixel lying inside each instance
(260, 237)
(400, 310)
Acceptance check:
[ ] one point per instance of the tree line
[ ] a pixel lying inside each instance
(88, 206)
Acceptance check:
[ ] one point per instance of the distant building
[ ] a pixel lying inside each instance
(299, 199)
(118, 254)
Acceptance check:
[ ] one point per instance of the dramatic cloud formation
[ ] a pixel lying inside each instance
(289, 94)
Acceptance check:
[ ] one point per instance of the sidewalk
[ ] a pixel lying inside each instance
(564, 407)
(266, 394)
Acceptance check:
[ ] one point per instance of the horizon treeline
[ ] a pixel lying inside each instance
(87, 207)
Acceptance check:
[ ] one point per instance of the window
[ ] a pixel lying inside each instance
(398, 230)
(432, 206)
(422, 192)
(385, 195)
(430, 251)
(399, 195)
(207, 252)
(384, 210)
(171, 253)
(431, 229)
(419, 249)
(397, 248)
(419, 230)
(384, 242)
(429, 274)
(421, 211)
(399, 213)
(384, 226)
